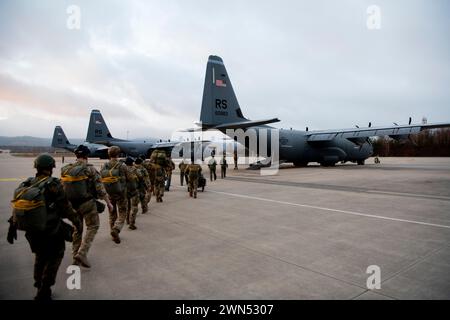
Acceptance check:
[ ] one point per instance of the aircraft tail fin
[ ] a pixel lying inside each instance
(220, 106)
(98, 130)
(60, 140)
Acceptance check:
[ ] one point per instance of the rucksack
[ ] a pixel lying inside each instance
(29, 206)
(132, 182)
(112, 179)
(159, 157)
(194, 171)
(141, 174)
(75, 181)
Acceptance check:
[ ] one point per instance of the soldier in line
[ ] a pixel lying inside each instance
(143, 184)
(115, 177)
(82, 184)
(212, 164)
(235, 158)
(194, 171)
(223, 167)
(159, 173)
(182, 166)
(132, 193)
(169, 168)
(46, 235)
(147, 164)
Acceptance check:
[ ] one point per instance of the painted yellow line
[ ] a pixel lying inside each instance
(331, 210)
(11, 179)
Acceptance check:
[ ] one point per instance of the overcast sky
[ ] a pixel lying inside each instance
(142, 63)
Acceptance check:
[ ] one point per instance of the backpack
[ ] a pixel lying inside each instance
(159, 157)
(194, 171)
(29, 206)
(141, 174)
(132, 182)
(112, 179)
(75, 181)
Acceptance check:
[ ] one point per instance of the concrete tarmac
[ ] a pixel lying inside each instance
(306, 233)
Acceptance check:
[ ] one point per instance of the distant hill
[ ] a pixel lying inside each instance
(28, 141)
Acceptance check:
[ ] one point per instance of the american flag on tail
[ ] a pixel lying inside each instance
(220, 83)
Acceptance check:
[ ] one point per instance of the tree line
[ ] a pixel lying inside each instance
(428, 143)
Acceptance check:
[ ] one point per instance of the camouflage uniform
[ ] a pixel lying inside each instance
(223, 167)
(132, 196)
(194, 171)
(160, 175)
(182, 166)
(143, 186)
(119, 201)
(169, 168)
(49, 245)
(87, 211)
(151, 175)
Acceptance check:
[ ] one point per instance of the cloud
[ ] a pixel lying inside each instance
(142, 63)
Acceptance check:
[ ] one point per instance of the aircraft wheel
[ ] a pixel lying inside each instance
(328, 164)
(301, 164)
(360, 162)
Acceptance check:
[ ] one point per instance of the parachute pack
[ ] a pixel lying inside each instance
(159, 157)
(75, 181)
(132, 182)
(29, 206)
(194, 171)
(112, 180)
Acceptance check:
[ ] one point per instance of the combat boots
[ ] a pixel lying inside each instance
(43, 294)
(115, 235)
(82, 259)
(132, 227)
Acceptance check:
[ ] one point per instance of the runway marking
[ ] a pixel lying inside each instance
(318, 186)
(9, 179)
(332, 210)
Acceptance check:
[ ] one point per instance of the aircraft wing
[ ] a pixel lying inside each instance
(170, 145)
(232, 125)
(164, 145)
(356, 134)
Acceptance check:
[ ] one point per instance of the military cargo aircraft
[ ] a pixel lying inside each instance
(60, 141)
(221, 111)
(99, 133)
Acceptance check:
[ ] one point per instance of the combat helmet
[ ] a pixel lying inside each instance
(114, 151)
(82, 151)
(44, 161)
(129, 161)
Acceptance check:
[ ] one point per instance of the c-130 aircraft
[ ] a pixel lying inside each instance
(221, 111)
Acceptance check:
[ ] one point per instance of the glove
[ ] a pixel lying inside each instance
(67, 230)
(78, 223)
(100, 206)
(12, 232)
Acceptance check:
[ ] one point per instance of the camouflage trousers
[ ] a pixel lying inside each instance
(87, 212)
(159, 190)
(182, 176)
(133, 203)
(45, 270)
(192, 186)
(143, 200)
(148, 194)
(118, 216)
